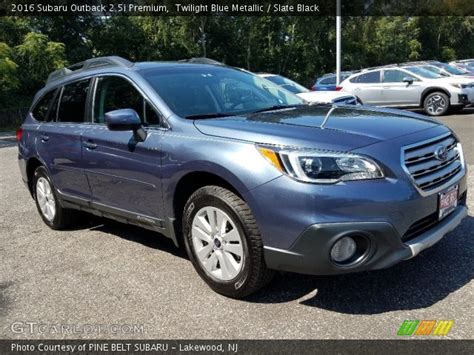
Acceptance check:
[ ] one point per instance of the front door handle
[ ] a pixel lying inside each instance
(44, 138)
(89, 145)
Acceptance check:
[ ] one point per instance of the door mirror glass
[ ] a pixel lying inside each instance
(408, 79)
(125, 119)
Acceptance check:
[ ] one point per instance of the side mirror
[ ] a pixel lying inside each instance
(409, 80)
(125, 120)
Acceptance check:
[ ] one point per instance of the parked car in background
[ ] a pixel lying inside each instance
(323, 97)
(246, 176)
(410, 86)
(441, 68)
(467, 65)
(328, 82)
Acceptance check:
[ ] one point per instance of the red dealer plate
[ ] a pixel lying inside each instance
(448, 201)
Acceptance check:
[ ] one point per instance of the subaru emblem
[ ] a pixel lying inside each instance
(441, 153)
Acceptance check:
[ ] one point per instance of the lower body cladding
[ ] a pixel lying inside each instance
(337, 248)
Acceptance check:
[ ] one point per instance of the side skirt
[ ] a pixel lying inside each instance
(164, 227)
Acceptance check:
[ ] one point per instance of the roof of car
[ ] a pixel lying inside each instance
(90, 65)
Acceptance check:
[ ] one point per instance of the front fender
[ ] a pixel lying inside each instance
(238, 163)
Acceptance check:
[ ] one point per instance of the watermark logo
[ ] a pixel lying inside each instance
(425, 327)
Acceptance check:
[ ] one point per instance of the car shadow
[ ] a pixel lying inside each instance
(416, 283)
(129, 232)
(4, 300)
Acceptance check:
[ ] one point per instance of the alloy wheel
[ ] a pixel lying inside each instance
(217, 243)
(436, 104)
(46, 199)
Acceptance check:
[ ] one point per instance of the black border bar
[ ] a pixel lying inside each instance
(403, 346)
(236, 7)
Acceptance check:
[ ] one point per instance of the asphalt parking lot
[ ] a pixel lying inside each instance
(104, 273)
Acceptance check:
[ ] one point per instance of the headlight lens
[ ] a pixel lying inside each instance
(322, 167)
(458, 85)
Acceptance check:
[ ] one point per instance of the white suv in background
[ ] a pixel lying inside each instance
(321, 97)
(410, 86)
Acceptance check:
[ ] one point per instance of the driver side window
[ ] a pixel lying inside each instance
(114, 93)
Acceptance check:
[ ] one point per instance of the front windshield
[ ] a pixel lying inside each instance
(202, 91)
(428, 74)
(435, 69)
(287, 84)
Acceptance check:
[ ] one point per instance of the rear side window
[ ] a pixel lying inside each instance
(40, 112)
(367, 78)
(72, 107)
(115, 93)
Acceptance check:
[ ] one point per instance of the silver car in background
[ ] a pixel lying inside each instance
(411, 87)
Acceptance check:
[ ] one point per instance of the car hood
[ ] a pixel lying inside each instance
(324, 127)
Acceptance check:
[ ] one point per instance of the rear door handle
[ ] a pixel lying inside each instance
(89, 145)
(44, 138)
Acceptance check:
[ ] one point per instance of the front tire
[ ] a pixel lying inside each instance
(223, 242)
(47, 202)
(436, 104)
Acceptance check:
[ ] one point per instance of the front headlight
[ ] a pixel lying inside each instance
(457, 85)
(322, 167)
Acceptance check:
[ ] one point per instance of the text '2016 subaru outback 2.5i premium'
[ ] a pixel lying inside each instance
(247, 176)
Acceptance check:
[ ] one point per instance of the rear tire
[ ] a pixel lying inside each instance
(47, 202)
(223, 242)
(436, 104)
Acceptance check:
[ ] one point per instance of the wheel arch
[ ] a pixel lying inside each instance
(188, 184)
(31, 165)
(431, 90)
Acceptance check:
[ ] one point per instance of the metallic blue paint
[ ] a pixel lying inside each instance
(141, 177)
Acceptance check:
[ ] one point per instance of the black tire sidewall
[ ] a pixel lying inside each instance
(57, 222)
(237, 285)
(425, 102)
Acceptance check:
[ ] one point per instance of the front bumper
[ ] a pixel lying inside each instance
(463, 99)
(311, 252)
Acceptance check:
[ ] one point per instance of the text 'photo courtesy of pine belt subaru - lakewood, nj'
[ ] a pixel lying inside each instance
(246, 176)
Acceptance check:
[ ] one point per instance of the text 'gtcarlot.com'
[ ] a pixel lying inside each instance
(44, 328)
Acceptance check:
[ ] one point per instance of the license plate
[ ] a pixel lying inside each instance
(447, 201)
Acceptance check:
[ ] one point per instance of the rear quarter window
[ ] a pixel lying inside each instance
(367, 78)
(42, 108)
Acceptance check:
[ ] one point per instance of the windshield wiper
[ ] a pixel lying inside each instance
(209, 115)
(275, 107)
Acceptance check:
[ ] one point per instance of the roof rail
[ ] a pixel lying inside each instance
(201, 60)
(88, 64)
(382, 67)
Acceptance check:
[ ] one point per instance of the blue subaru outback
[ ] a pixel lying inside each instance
(246, 176)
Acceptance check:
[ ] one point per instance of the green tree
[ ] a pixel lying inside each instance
(8, 75)
(37, 57)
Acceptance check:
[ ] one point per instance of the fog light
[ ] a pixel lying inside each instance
(343, 249)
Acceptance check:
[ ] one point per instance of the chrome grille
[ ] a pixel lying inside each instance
(428, 171)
